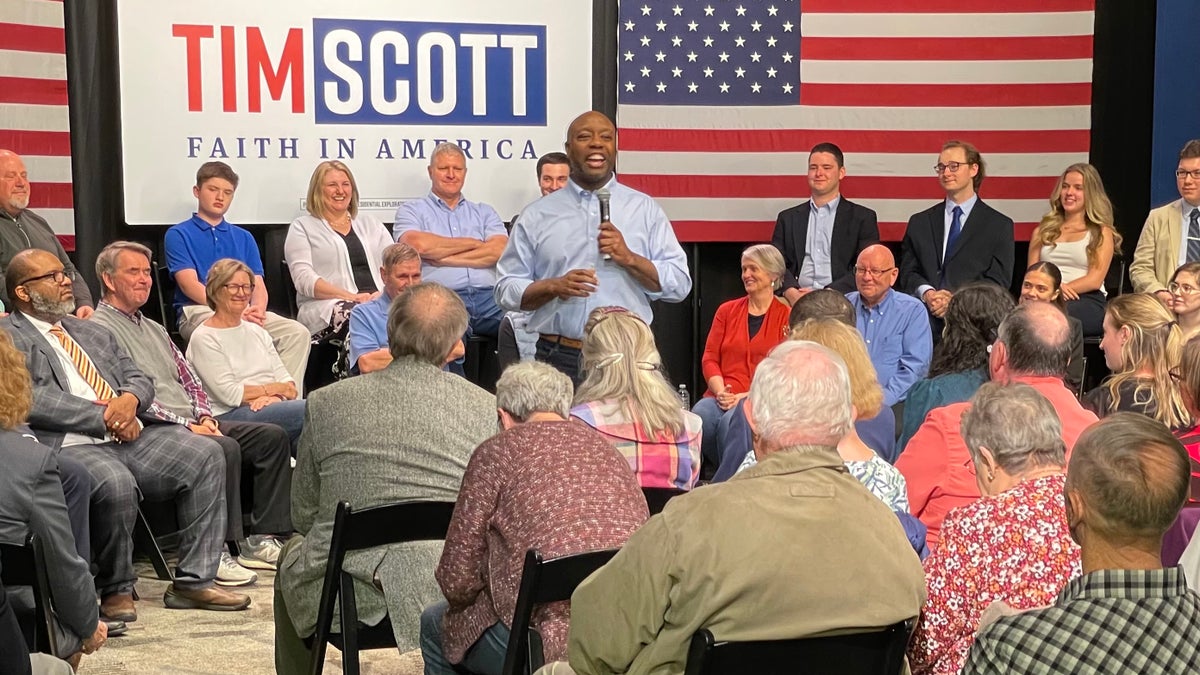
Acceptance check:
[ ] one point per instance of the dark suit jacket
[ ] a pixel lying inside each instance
(983, 252)
(855, 227)
(55, 410)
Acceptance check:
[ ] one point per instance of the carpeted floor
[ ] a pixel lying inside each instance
(191, 642)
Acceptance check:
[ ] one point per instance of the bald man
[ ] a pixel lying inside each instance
(893, 324)
(562, 261)
(21, 228)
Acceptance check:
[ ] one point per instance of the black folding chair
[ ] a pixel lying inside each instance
(26, 566)
(544, 581)
(147, 543)
(657, 498)
(355, 531)
(873, 653)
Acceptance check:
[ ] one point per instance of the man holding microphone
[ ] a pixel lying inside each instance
(564, 258)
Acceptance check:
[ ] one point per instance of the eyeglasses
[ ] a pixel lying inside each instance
(1175, 374)
(57, 276)
(953, 166)
(868, 272)
(238, 288)
(1181, 174)
(1179, 289)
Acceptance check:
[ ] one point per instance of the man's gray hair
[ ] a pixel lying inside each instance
(1017, 425)
(397, 253)
(800, 395)
(106, 261)
(530, 387)
(1038, 340)
(444, 147)
(425, 321)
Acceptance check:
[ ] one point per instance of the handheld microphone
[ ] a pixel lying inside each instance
(604, 196)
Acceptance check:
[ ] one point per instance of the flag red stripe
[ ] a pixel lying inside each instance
(51, 196)
(47, 143)
(946, 49)
(945, 95)
(67, 240)
(760, 231)
(25, 38)
(850, 140)
(945, 6)
(33, 90)
(877, 187)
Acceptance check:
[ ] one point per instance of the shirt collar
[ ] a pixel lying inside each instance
(965, 206)
(42, 326)
(793, 460)
(136, 317)
(1125, 584)
(883, 305)
(581, 193)
(441, 203)
(830, 206)
(205, 226)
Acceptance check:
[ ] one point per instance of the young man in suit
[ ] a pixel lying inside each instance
(958, 240)
(1165, 243)
(821, 238)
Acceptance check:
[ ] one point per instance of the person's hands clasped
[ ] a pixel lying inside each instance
(937, 302)
(264, 401)
(578, 283)
(97, 640)
(726, 399)
(612, 244)
(120, 416)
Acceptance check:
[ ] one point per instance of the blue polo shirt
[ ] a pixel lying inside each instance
(196, 245)
(368, 327)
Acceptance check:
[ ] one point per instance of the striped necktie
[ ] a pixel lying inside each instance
(1193, 238)
(84, 365)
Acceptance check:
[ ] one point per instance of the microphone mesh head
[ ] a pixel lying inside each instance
(603, 194)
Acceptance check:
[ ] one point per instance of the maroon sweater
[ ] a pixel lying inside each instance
(558, 487)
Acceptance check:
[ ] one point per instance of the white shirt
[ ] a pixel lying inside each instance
(228, 359)
(76, 385)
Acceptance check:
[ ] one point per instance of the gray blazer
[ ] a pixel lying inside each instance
(56, 411)
(401, 434)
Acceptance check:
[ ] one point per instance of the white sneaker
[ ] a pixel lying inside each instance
(229, 573)
(260, 552)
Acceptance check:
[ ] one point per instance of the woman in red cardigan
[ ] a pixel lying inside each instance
(743, 332)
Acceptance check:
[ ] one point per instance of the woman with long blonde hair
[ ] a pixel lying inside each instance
(625, 397)
(1078, 236)
(1142, 344)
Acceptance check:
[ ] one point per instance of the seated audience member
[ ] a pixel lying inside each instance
(31, 502)
(890, 322)
(1188, 377)
(1078, 236)
(1171, 235)
(1126, 482)
(823, 303)
(333, 253)
(1141, 344)
(742, 332)
(401, 434)
(714, 558)
(1185, 298)
(960, 359)
(87, 398)
(369, 352)
(625, 397)
(1043, 283)
(1013, 545)
(123, 268)
(1032, 347)
(191, 248)
(866, 398)
(525, 488)
(236, 361)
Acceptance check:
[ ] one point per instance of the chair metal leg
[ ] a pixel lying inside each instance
(143, 540)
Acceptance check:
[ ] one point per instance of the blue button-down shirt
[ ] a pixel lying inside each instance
(194, 244)
(898, 341)
(368, 327)
(558, 233)
(816, 268)
(466, 219)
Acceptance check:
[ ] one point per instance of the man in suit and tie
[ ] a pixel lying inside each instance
(958, 240)
(1165, 243)
(87, 398)
(821, 238)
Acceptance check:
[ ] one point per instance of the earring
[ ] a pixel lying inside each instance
(991, 476)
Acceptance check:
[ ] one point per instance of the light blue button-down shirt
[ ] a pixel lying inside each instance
(1186, 212)
(467, 219)
(816, 268)
(558, 233)
(898, 340)
(966, 213)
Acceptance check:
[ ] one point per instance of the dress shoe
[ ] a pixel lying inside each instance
(115, 628)
(118, 607)
(213, 598)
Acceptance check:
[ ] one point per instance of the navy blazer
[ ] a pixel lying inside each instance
(855, 227)
(56, 411)
(983, 251)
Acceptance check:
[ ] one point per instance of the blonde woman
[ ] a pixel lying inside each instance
(625, 397)
(1142, 343)
(866, 397)
(1078, 236)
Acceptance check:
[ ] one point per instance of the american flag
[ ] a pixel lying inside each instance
(33, 106)
(719, 102)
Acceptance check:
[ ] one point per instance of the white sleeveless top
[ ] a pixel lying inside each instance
(1071, 258)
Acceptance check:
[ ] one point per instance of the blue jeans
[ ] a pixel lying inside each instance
(485, 657)
(564, 359)
(483, 311)
(286, 414)
(711, 439)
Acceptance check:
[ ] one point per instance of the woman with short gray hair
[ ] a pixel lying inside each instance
(1014, 545)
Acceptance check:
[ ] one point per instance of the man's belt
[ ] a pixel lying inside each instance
(561, 340)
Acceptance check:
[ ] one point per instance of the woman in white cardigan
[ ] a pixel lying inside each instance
(334, 253)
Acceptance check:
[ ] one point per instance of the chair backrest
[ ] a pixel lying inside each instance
(26, 566)
(544, 581)
(358, 530)
(873, 653)
(657, 498)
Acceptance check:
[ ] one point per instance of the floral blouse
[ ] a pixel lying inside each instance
(882, 479)
(1014, 547)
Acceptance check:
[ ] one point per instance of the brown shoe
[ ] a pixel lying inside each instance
(214, 598)
(118, 607)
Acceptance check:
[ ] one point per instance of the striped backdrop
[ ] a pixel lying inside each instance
(887, 80)
(33, 106)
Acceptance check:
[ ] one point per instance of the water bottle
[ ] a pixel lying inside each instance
(685, 399)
